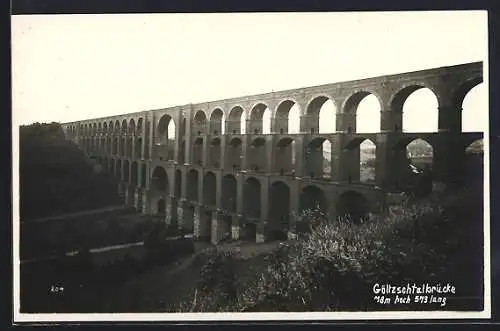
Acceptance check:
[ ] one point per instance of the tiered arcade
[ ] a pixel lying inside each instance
(252, 184)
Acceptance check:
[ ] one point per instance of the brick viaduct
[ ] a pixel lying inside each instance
(251, 184)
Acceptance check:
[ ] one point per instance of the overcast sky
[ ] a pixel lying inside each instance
(74, 67)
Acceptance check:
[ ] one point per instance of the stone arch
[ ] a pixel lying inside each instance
(138, 129)
(234, 153)
(313, 202)
(279, 210)
(215, 152)
(163, 129)
(317, 158)
(94, 129)
(282, 118)
(360, 154)
(352, 206)
(198, 151)
(355, 116)
(465, 87)
(472, 100)
(312, 113)
(126, 171)
(192, 185)
(117, 127)
(257, 154)
(200, 123)
(131, 126)
(110, 127)
(412, 157)
(178, 183)
(256, 120)
(428, 115)
(134, 173)
(105, 127)
(252, 197)
(233, 122)
(284, 156)
(124, 126)
(216, 121)
(209, 189)
(229, 193)
(474, 161)
(159, 180)
(99, 128)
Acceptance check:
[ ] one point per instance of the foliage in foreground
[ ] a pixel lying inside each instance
(438, 239)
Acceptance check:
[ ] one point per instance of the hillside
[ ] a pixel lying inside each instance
(56, 177)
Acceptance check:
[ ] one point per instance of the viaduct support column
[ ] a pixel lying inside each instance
(216, 229)
(168, 210)
(180, 212)
(197, 223)
(299, 156)
(294, 210)
(391, 121)
(264, 212)
(145, 192)
(346, 122)
(237, 220)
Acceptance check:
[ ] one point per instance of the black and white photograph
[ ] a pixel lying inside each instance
(251, 166)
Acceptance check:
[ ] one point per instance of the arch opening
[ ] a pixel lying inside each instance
(126, 171)
(284, 156)
(287, 118)
(215, 152)
(474, 161)
(200, 123)
(251, 198)
(353, 207)
(279, 211)
(217, 122)
(209, 189)
(257, 155)
(234, 154)
(413, 166)
(475, 110)
(235, 123)
(192, 185)
(178, 183)
(134, 173)
(159, 180)
(118, 167)
(197, 157)
(318, 158)
(260, 120)
(131, 127)
(312, 209)
(161, 207)
(418, 108)
(322, 110)
(367, 110)
(229, 193)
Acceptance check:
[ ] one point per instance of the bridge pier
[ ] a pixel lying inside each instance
(137, 199)
(145, 202)
(235, 226)
(168, 210)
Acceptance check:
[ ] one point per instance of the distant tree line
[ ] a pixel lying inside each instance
(55, 176)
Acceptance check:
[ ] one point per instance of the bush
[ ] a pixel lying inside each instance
(336, 264)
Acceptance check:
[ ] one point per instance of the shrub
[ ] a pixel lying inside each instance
(334, 266)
